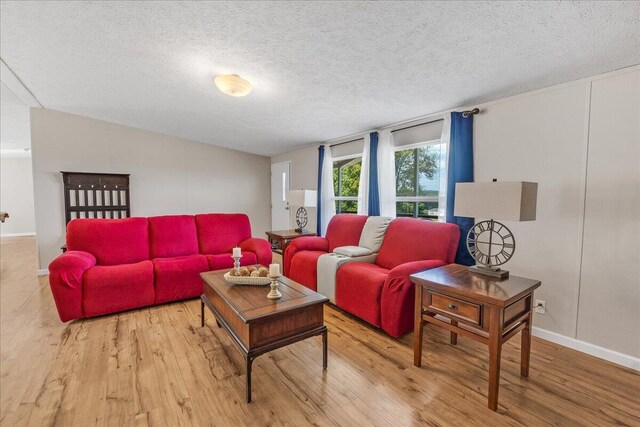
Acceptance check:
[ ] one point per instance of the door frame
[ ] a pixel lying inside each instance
(288, 162)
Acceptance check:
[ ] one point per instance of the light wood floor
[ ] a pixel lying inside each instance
(156, 366)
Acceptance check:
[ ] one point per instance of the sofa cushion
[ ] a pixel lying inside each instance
(109, 289)
(352, 251)
(373, 232)
(411, 239)
(220, 261)
(304, 268)
(172, 236)
(345, 230)
(179, 278)
(110, 241)
(219, 233)
(359, 290)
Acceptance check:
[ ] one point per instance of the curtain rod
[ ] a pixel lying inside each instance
(419, 124)
(465, 114)
(346, 142)
(468, 113)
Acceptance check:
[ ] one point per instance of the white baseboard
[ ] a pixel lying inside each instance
(42, 272)
(17, 234)
(588, 348)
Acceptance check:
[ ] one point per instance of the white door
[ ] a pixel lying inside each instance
(280, 196)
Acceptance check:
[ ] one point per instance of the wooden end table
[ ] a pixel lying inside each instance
(282, 238)
(257, 324)
(483, 308)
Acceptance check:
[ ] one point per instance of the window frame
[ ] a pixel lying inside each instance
(416, 200)
(337, 198)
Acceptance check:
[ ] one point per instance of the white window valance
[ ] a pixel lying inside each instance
(417, 134)
(353, 148)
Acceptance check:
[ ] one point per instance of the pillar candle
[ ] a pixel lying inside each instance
(274, 270)
(237, 252)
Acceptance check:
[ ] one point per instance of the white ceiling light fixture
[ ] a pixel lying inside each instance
(233, 85)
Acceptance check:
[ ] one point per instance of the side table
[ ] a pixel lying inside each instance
(282, 238)
(483, 308)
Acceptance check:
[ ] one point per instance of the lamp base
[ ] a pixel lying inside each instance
(489, 271)
(301, 220)
(301, 230)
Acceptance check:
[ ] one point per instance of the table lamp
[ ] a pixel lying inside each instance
(490, 242)
(303, 199)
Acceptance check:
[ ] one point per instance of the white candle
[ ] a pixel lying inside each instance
(274, 270)
(237, 252)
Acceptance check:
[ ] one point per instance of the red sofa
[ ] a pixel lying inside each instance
(380, 293)
(301, 256)
(113, 265)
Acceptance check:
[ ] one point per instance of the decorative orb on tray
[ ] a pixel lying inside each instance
(248, 276)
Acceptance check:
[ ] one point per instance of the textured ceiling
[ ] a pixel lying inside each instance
(14, 124)
(320, 70)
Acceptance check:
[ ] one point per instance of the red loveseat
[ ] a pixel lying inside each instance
(382, 293)
(301, 256)
(379, 293)
(113, 265)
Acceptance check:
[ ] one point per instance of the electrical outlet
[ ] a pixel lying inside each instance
(540, 307)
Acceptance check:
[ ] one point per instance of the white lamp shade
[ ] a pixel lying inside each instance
(303, 198)
(509, 201)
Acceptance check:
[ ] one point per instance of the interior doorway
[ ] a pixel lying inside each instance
(280, 213)
(16, 177)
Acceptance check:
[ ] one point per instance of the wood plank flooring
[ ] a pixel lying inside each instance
(156, 366)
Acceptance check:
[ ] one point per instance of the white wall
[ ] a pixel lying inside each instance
(169, 175)
(610, 277)
(16, 196)
(554, 136)
(541, 138)
(303, 175)
(581, 143)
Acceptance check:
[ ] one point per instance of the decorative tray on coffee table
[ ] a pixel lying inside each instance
(246, 280)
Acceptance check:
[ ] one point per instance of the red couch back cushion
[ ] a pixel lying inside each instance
(172, 235)
(345, 230)
(111, 241)
(410, 239)
(220, 233)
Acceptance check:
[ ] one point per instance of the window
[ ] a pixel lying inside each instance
(346, 180)
(418, 181)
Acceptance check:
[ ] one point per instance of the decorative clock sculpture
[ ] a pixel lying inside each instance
(301, 218)
(491, 244)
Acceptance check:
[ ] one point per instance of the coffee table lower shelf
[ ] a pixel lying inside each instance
(292, 333)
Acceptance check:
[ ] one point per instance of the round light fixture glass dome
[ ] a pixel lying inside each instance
(233, 85)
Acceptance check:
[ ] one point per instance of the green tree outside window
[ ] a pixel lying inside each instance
(417, 176)
(346, 181)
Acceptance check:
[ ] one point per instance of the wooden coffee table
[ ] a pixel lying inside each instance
(258, 325)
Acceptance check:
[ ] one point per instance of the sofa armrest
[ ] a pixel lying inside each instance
(398, 296)
(65, 280)
(303, 244)
(260, 247)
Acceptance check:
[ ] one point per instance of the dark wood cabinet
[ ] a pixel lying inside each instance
(96, 195)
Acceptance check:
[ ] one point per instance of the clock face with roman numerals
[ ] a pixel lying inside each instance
(490, 243)
(301, 217)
